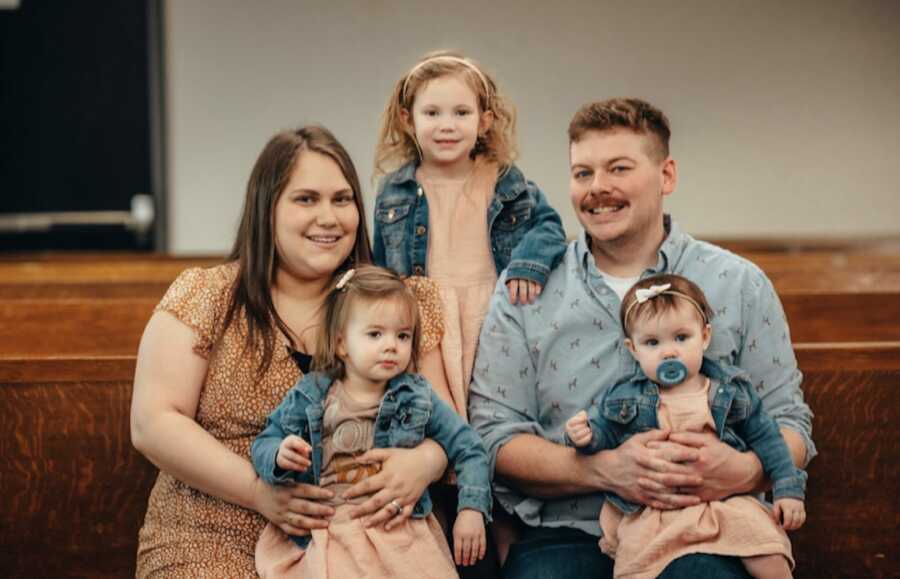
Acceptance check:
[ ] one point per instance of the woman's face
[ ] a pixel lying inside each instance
(316, 219)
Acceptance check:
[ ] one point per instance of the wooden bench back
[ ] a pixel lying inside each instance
(852, 497)
(74, 489)
(83, 327)
(139, 277)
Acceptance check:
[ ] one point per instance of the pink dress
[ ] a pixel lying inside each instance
(644, 543)
(459, 260)
(347, 548)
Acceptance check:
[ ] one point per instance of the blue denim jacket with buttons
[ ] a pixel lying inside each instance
(631, 406)
(526, 234)
(410, 412)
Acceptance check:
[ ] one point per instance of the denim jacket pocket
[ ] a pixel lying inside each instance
(739, 410)
(392, 221)
(621, 410)
(408, 426)
(514, 215)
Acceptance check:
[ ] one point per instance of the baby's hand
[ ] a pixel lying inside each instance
(578, 429)
(790, 513)
(469, 542)
(523, 291)
(294, 454)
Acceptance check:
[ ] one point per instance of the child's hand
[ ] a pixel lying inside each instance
(523, 291)
(469, 542)
(294, 454)
(790, 513)
(578, 429)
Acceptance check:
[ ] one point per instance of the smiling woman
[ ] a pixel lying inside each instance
(224, 346)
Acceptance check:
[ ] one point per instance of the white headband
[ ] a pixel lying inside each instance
(456, 59)
(642, 295)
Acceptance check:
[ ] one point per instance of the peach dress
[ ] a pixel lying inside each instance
(186, 532)
(645, 542)
(460, 261)
(415, 549)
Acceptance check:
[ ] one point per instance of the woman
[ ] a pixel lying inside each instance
(224, 346)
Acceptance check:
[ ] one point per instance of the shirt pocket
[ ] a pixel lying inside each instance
(392, 219)
(408, 426)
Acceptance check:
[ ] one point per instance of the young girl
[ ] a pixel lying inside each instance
(456, 209)
(362, 397)
(665, 319)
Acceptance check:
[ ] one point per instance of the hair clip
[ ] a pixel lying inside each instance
(642, 295)
(342, 283)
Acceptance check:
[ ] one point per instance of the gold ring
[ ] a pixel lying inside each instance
(397, 507)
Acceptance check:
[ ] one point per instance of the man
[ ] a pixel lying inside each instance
(538, 365)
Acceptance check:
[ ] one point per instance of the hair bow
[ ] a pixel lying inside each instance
(348, 275)
(642, 295)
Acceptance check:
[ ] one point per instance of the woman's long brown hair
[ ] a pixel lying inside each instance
(254, 248)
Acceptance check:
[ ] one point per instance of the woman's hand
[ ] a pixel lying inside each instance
(292, 508)
(404, 476)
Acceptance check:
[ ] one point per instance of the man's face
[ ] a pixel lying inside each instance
(617, 183)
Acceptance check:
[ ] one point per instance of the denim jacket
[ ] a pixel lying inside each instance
(631, 406)
(526, 234)
(410, 412)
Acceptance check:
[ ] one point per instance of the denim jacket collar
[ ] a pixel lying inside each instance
(316, 390)
(510, 183)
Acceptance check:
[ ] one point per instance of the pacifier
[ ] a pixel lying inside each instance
(671, 372)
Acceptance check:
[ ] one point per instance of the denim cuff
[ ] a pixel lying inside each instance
(476, 498)
(530, 270)
(793, 487)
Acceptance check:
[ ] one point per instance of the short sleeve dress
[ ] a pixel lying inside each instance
(188, 533)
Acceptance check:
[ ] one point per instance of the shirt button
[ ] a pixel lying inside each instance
(419, 270)
(420, 230)
(512, 220)
(420, 192)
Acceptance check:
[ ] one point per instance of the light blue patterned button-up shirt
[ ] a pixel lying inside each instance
(538, 365)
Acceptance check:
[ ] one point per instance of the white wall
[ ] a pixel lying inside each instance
(786, 115)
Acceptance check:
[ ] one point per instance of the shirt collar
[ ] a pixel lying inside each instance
(669, 253)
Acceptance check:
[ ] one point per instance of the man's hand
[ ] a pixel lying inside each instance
(578, 429)
(641, 474)
(722, 470)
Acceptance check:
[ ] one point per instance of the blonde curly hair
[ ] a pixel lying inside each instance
(397, 143)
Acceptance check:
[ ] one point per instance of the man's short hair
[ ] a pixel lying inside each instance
(632, 114)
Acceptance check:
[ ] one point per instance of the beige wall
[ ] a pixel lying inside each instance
(786, 115)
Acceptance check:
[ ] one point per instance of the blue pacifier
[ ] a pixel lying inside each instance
(671, 372)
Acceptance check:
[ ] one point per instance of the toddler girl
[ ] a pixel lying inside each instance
(361, 397)
(665, 319)
(456, 209)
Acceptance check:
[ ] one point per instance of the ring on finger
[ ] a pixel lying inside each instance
(398, 508)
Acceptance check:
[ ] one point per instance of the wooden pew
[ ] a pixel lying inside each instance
(852, 507)
(93, 277)
(36, 328)
(75, 491)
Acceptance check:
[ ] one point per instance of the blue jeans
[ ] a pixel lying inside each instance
(546, 553)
